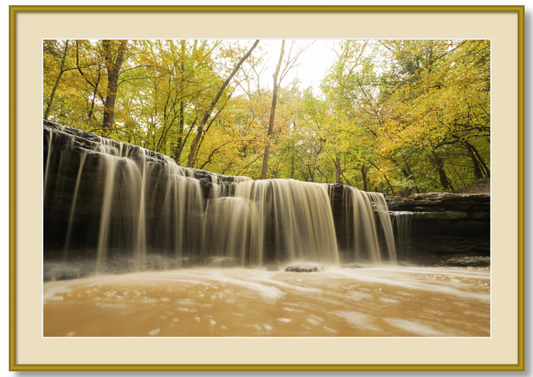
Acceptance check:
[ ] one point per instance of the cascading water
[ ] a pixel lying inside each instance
(83, 154)
(402, 223)
(384, 224)
(124, 202)
(272, 220)
(178, 228)
(365, 223)
(132, 203)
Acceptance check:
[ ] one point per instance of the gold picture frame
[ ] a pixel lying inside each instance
(24, 261)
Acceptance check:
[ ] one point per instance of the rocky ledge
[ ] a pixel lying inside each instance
(442, 225)
(443, 205)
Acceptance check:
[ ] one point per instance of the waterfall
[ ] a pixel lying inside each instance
(385, 225)
(273, 220)
(109, 167)
(366, 221)
(178, 227)
(402, 222)
(83, 154)
(108, 201)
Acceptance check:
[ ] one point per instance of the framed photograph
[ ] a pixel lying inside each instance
(270, 310)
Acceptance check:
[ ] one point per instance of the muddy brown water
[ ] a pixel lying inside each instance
(383, 301)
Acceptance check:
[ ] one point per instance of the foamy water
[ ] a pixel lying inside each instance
(384, 301)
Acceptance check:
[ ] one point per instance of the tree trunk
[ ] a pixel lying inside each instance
(477, 168)
(409, 174)
(484, 168)
(93, 100)
(94, 85)
(292, 165)
(444, 181)
(338, 170)
(199, 132)
(113, 70)
(179, 143)
(364, 172)
(178, 147)
(272, 112)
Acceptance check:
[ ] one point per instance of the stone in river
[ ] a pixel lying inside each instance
(469, 262)
(305, 268)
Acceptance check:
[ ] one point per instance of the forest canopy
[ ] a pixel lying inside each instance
(392, 116)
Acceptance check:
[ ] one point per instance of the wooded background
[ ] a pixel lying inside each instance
(392, 116)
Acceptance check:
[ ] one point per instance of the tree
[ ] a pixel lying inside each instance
(440, 104)
(273, 109)
(114, 57)
(62, 69)
(208, 112)
(278, 76)
(91, 71)
(396, 117)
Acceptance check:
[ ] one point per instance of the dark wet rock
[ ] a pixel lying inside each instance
(56, 270)
(213, 177)
(483, 215)
(77, 267)
(64, 275)
(444, 215)
(475, 261)
(435, 250)
(272, 267)
(305, 268)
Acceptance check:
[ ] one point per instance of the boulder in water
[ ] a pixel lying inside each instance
(468, 262)
(272, 267)
(305, 268)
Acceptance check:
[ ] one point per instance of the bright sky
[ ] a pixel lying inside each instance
(313, 62)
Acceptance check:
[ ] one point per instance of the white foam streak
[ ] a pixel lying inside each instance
(435, 287)
(267, 292)
(419, 329)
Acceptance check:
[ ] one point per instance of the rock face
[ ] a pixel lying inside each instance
(444, 224)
